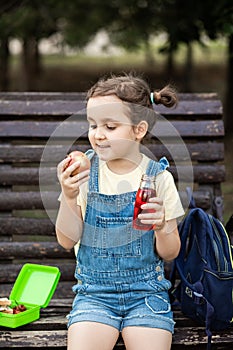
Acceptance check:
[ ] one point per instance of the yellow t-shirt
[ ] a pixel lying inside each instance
(112, 183)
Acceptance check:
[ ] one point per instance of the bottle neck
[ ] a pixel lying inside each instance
(147, 181)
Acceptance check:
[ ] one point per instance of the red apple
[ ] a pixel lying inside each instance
(77, 156)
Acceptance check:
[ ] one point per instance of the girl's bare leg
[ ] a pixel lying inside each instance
(138, 338)
(91, 336)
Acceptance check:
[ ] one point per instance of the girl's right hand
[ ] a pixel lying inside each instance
(70, 184)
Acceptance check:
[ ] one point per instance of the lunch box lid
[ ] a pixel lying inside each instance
(35, 284)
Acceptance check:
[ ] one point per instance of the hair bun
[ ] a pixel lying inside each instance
(167, 97)
(157, 97)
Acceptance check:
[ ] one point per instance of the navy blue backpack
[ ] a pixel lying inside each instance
(205, 268)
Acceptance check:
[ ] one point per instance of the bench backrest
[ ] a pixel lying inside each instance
(38, 129)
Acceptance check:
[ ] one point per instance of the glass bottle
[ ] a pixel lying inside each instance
(145, 192)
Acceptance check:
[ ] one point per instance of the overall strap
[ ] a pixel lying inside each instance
(93, 181)
(154, 168)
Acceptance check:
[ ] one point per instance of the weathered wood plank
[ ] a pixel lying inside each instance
(46, 96)
(214, 151)
(58, 338)
(68, 103)
(39, 200)
(44, 129)
(63, 290)
(48, 175)
(78, 129)
(34, 339)
(34, 250)
(29, 200)
(196, 336)
(60, 96)
(9, 273)
(26, 226)
(67, 302)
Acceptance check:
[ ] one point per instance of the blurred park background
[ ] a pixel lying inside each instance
(65, 45)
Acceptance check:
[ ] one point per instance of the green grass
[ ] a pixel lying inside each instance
(212, 52)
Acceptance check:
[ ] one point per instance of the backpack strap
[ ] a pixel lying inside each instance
(195, 293)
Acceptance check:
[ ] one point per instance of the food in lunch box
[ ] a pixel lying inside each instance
(5, 304)
(6, 309)
(19, 308)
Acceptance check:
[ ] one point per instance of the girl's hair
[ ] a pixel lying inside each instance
(136, 93)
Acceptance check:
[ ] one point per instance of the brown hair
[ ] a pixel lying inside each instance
(136, 92)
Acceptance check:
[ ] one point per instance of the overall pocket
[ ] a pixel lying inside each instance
(115, 237)
(158, 304)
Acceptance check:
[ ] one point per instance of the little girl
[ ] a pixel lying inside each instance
(120, 274)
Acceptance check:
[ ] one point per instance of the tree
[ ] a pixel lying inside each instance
(128, 24)
(81, 20)
(35, 20)
(7, 30)
(180, 20)
(4, 53)
(217, 21)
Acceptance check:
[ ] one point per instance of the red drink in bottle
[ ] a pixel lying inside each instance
(144, 193)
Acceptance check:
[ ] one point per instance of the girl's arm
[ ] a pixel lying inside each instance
(69, 223)
(167, 242)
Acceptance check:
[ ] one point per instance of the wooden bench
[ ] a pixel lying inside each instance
(36, 131)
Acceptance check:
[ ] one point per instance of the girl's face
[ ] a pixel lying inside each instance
(111, 132)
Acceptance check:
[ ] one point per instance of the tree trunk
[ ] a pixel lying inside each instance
(188, 69)
(150, 61)
(170, 64)
(228, 111)
(31, 63)
(4, 64)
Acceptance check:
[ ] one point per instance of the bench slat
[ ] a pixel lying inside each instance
(63, 290)
(78, 129)
(29, 200)
(33, 200)
(34, 250)
(26, 226)
(35, 339)
(214, 151)
(11, 271)
(69, 103)
(194, 336)
(48, 176)
(47, 96)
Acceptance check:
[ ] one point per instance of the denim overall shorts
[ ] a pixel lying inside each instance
(121, 280)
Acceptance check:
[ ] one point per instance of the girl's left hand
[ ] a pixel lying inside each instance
(153, 213)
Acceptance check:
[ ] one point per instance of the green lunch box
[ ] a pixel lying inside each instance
(34, 288)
